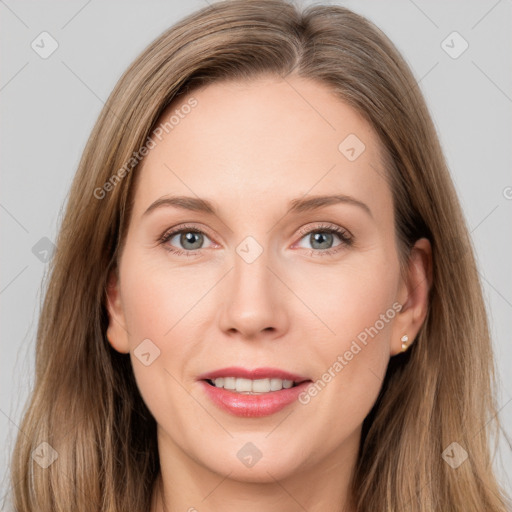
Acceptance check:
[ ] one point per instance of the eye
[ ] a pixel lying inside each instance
(325, 239)
(184, 240)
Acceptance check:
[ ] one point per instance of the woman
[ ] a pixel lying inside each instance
(255, 301)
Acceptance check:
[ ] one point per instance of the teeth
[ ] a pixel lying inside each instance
(241, 385)
(229, 382)
(261, 386)
(276, 384)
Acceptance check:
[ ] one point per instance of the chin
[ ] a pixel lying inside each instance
(251, 464)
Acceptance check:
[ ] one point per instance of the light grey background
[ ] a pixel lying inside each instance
(48, 108)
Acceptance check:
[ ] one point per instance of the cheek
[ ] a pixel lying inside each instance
(161, 307)
(158, 349)
(359, 310)
(348, 298)
(157, 298)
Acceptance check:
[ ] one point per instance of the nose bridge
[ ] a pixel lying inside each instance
(251, 285)
(250, 270)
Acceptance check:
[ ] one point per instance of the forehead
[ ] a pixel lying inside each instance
(263, 139)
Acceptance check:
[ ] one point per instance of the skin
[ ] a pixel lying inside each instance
(249, 149)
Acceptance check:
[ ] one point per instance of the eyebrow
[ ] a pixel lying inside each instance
(299, 205)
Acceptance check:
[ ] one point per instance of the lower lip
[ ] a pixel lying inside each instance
(253, 406)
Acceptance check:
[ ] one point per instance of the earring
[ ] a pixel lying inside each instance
(404, 339)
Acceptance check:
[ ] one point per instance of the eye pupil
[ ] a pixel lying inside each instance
(324, 239)
(196, 239)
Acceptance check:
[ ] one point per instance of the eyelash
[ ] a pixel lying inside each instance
(345, 237)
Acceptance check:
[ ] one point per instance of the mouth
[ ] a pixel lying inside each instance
(252, 386)
(252, 393)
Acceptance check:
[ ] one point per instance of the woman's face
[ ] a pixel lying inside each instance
(278, 260)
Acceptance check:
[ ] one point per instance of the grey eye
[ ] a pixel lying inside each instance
(188, 240)
(320, 239)
(323, 239)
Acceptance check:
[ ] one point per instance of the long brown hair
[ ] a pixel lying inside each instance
(85, 403)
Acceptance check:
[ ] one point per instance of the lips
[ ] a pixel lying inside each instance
(257, 373)
(250, 403)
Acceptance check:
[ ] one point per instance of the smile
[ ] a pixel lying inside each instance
(252, 393)
(241, 385)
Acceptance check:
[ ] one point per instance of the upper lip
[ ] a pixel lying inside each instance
(254, 374)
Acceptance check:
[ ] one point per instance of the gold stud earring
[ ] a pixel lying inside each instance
(404, 339)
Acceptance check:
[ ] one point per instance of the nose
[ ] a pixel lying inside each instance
(254, 305)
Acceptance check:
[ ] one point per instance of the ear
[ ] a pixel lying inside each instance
(413, 295)
(117, 333)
